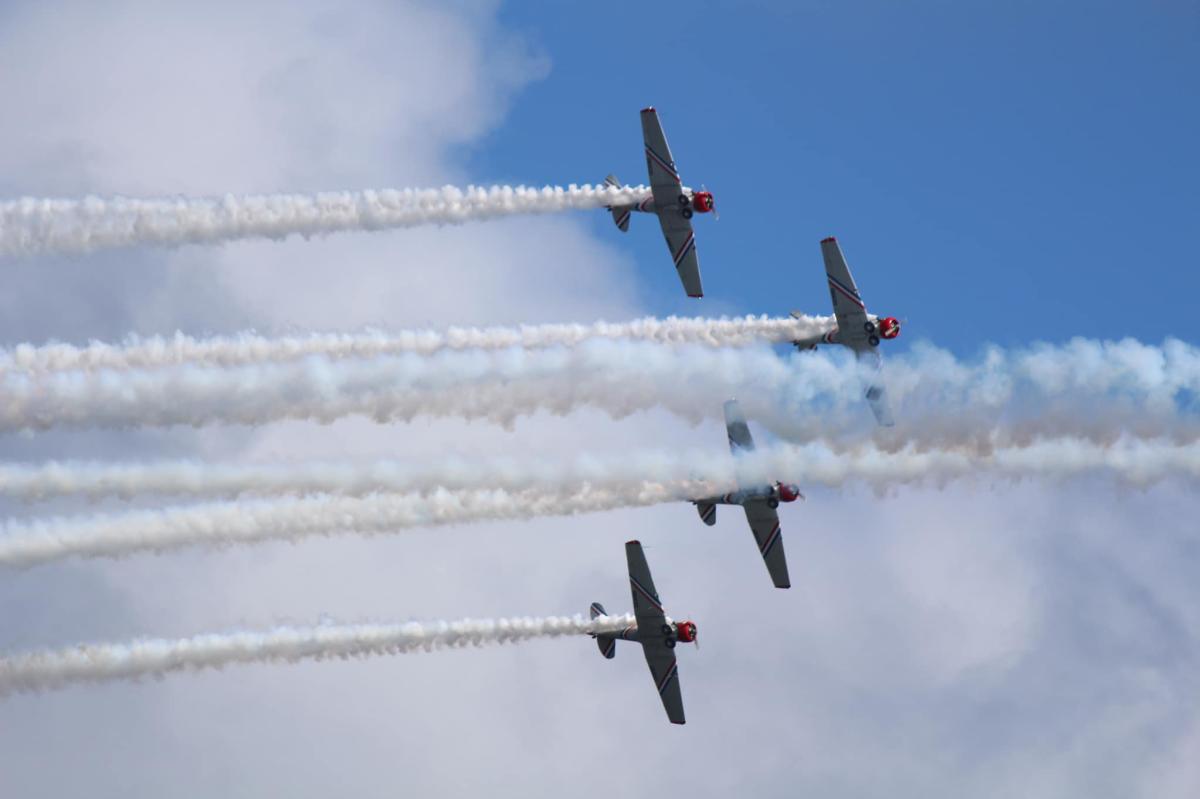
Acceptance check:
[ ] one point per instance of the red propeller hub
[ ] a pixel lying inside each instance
(702, 202)
(889, 327)
(686, 631)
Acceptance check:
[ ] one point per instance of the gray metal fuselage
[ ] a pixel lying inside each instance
(830, 336)
(646, 206)
(741, 497)
(631, 633)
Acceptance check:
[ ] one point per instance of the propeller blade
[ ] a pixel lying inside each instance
(716, 215)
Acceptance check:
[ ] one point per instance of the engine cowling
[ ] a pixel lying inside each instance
(789, 492)
(889, 327)
(685, 631)
(702, 202)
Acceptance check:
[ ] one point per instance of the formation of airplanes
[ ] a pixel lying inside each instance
(853, 327)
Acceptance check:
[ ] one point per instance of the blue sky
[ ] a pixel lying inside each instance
(999, 172)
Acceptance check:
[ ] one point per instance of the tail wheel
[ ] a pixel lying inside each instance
(687, 213)
(873, 340)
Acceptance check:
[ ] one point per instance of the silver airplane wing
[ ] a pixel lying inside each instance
(654, 633)
(870, 363)
(764, 523)
(736, 428)
(672, 204)
(848, 305)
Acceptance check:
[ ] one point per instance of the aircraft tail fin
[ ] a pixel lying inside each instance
(621, 214)
(606, 643)
(708, 512)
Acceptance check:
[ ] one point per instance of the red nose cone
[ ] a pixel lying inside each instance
(686, 631)
(889, 327)
(788, 493)
(702, 202)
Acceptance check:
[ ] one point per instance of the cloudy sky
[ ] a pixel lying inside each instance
(1001, 178)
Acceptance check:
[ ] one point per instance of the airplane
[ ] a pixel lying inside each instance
(759, 502)
(653, 630)
(855, 328)
(671, 200)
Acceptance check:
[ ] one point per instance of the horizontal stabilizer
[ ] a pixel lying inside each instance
(620, 214)
(606, 643)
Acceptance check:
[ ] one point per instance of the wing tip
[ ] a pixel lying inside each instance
(648, 109)
(681, 721)
(633, 543)
(696, 296)
(829, 239)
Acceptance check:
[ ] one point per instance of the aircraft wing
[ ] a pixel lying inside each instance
(665, 672)
(878, 400)
(668, 189)
(764, 523)
(848, 305)
(876, 392)
(736, 428)
(681, 241)
(651, 620)
(664, 177)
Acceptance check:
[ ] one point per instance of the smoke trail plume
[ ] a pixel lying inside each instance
(224, 524)
(609, 485)
(1130, 461)
(250, 348)
(1092, 389)
(156, 657)
(32, 226)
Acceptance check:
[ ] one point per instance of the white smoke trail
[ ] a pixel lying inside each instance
(1097, 390)
(250, 348)
(156, 657)
(208, 480)
(28, 543)
(224, 524)
(31, 226)
(1130, 461)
